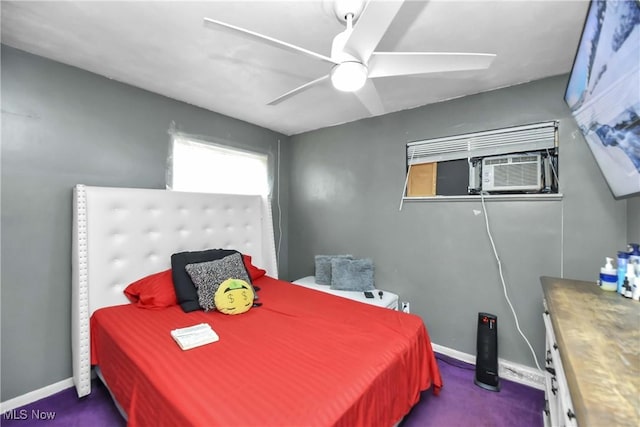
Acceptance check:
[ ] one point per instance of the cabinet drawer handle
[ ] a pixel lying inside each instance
(555, 346)
(551, 371)
(570, 414)
(553, 389)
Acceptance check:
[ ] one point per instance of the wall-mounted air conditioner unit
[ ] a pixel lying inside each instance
(514, 172)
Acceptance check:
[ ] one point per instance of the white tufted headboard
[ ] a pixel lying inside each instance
(123, 234)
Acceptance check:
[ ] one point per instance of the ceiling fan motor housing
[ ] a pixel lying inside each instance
(337, 47)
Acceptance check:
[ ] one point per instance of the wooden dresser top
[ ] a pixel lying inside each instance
(598, 333)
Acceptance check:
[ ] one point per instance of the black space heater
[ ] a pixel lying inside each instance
(487, 353)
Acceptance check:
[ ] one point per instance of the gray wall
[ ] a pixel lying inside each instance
(62, 126)
(346, 184)
(633, 220)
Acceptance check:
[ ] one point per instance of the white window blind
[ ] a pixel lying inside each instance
(517, 139)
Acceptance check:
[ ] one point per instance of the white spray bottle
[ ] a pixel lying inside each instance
(631, 279)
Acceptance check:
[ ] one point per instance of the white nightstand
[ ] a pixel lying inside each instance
(388, 300)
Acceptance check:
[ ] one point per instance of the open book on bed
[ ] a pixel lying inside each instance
(194, 336)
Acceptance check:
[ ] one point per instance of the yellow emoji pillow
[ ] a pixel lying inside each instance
(234, 296)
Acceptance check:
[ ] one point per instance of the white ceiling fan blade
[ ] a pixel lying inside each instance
(370, 27)
(267, 39)
(369, 97)
(298, 90)
(384, 64)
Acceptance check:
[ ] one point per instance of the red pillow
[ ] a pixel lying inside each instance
(254, 272)
(153, 291)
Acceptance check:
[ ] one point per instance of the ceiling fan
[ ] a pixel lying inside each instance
(353, 56)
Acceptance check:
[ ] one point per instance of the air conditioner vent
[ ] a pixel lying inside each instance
(524, 159)
(512, 173)
(498, 161)
(516, 174)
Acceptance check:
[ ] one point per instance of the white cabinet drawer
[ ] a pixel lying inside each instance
(561, 411)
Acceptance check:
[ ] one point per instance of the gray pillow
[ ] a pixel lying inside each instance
(207, 277)
(323, 268)
(352, 274)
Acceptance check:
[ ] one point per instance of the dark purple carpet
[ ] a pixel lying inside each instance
(95, 410)
(460, 403)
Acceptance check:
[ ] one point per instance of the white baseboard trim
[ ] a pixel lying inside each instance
(465, 357)
(35, 395)
(511, 371)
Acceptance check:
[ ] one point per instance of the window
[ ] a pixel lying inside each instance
(515, 160)
(204, 167)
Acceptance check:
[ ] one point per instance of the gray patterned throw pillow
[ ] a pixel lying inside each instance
(352, 274)
(207, 277)
(323, 267)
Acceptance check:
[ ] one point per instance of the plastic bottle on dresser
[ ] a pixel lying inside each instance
(635, 294)
(630, 279)
(608, 277)
(623, 258)
(634, 256)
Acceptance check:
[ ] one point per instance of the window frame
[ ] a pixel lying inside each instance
(222, 145)
(467, 147)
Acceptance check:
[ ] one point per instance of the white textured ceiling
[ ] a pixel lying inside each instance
(164, 47)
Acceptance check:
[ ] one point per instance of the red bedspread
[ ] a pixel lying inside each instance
(304, 358)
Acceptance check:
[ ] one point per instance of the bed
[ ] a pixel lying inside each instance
(301, 358)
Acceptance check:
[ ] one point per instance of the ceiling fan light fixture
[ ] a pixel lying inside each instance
(349, 76)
